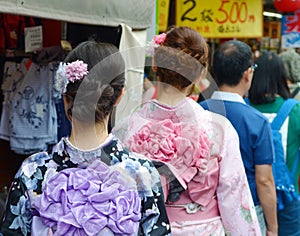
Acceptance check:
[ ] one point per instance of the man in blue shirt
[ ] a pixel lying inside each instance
(233, 71)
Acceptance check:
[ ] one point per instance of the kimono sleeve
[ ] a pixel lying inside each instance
(17, 216)
(233, 193)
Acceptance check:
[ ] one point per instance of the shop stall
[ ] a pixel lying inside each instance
(43, 31)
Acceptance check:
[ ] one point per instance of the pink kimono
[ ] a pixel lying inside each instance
(201, 151)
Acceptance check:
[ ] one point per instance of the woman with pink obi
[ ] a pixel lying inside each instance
(195, 151)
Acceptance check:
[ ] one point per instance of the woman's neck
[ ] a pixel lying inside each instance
(170, 95)
(88, 136)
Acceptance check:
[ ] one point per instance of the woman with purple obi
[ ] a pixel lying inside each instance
(89, 183)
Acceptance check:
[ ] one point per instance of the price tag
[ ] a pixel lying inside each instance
(222, 18)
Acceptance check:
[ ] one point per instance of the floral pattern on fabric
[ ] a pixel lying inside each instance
(37, 170)
(23, 218)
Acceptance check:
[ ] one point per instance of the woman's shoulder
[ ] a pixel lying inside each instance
(216, 121)
(296, 108)
(30, 164)
(216, 124)
(208, 118)
(290, 103)
(294, 118)
(38, 168)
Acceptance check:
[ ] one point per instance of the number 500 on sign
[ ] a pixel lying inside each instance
(222, 18)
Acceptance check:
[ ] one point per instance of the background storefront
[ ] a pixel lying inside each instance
(65, 24)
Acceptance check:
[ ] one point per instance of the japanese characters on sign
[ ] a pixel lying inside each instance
(290, 30)
(33, 38)
(221, 18)
(162, 14)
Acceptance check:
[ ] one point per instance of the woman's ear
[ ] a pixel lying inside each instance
(67, 107)
(190, 89)
(119, 97)
(154, 67)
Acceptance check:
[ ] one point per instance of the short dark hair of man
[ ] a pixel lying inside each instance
(230, 61)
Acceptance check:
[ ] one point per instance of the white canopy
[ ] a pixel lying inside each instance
(135, 13)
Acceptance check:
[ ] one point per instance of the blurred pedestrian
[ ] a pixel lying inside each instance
(268, 92)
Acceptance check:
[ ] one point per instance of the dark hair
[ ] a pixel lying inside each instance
(230, 61)
(182, 57)
(97, 92)
(269, 80)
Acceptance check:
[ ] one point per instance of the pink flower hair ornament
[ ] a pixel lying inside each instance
(160, 39)
(76, 70)
(155, 42)
(70, 72)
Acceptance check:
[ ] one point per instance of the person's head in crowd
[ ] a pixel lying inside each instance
(269, 81)
(91, 98)
(291, 61)
(233, 61)
(181, 58)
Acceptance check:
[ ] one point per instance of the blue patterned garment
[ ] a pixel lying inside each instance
(30, 119)
(12, 78)
(39, 168)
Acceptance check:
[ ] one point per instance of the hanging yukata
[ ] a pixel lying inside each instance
(14, 73)
(32, 118)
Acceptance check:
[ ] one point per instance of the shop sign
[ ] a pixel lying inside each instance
(290, 30)
(33, 38)
(222, 18)
(162, 14)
